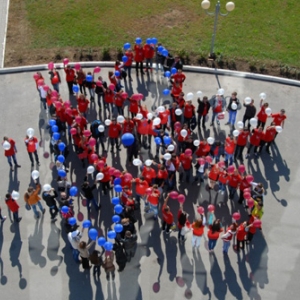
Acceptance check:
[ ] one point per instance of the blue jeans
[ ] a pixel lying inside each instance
(92, 93)
(229, 158)
(76, 255)
(226, 245)
(187, 175)
(14, 159)
(16, 216)
(199, 175)
(88, 203)
(232, 191)
(127, 69)
(56, 87)
(211, 244)
(222, 187)
(154, 209)
(39, 204)
(214, 115)
(232, 116)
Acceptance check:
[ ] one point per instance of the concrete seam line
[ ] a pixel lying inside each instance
(203, 70)
(5, 31)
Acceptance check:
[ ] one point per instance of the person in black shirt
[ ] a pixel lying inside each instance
(250, 113)
(49, 198)
(87, 191)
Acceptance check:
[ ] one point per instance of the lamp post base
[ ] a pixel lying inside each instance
(212, 56)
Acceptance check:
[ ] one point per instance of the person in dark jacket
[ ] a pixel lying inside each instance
(87, 191)
(100, 91)
(121, 258)
(127, 226)
(129, 244)
(203, 109)
(250, 113)
(98, 135)
(217, 150)
(50, 198)
(232, 108)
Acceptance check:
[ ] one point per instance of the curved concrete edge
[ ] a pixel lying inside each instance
(204, 70)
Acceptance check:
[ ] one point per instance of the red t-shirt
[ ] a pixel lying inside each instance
(149, 174)
(262, 116)
(214, 173)
(242, 138)
(241, 233)
(234, 180)
(278, 118)
(142, 127)
(269, 134)
(153, 198)
(255, 137)
(138, 53)
(82, 104)
(179, 78)
(203, 149)
(148, 51)
(31, 144)
(167, 216)
(114, 130)
(119, 101)
(106, 174)
(218, 107)
(128, 126)
(223, 177)
(164, 116)
(109, 96)
(229, 145)
(133, 106)
(176, 90)
(70, 74)
(189, 111)
(130, 58)
(11, 150)
(244, 184)
(186, 161)
(141, 186)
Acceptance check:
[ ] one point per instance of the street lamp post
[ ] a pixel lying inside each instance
(205, 4)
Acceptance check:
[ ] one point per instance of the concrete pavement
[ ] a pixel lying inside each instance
(36, 261)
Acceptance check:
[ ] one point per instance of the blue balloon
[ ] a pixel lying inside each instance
(72, 221)
(65, 209)
(75, 88)
(127, 46)
(167, 140)
(73, 191)
(93, 234)
(101, 241)
(124, 59)
(56, 136)
(52, 122)
(118, 188)
(108, 246)
(116, 219)
(160, 48)
(118, 228)
(138, 40)
(86, 224)
(54, 128)
(89, 78)
(61, 146)
(62, 173)
(118, 209)
(173, 71)
(167, 74)
(127, 139)
(165, 52)
(157, 140)
(112, 234)
(115, 200)
(149, 41)
(166, 92)
(61, 159)
(117, 181)
(154, 41)
(117, 73)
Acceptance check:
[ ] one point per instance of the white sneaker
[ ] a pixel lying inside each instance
(3, 219)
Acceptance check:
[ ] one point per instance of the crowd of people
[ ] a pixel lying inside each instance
(126, 123)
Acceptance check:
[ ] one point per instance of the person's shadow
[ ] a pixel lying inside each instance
(171, 250)
(3, 278)
(35, 246)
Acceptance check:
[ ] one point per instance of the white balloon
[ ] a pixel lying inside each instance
(253, 122)
(47, 187)
(263, 96)
(101, 128)
(167, 156)
(107, 122)
(248, 100)
(35, 174)
(196, 143)
(268, 111)
(30, 132)
(6, 145)
(235, 133)
(137, 162)
(99, 176)
(171, 148)
(161, 109)
(15, 195)
(240, 124)
(234, 106)
(189, 96)
(183, 133)
(156, 121)
(178, 112)
(199, 94)
(149, 116)
(90, 169)
(221, 92)
(278, 129)
(120, 119)
(148, 162)
(139, 116)
(210, 140)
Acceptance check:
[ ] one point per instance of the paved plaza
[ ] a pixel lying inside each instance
(35, 257)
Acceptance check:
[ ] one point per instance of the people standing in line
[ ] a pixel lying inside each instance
(213, 234)
(227, 237)
(268, 138)
(80, 77)
(183, 224)
(84, 254)
(241, 234)
(43, 96)
(114, 132)
(232, 108)
(32, 198)
(230, 143)
(10, 153)
(50, 198)
(32, 146)
(96, 260)
(250, 113)
(128, 63)
(279, 118)
(13, 206)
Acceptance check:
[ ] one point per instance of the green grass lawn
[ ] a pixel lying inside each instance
(256, 29)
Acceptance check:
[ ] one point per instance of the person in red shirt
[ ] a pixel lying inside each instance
(254, 141)
(32, 146)
(241, 234)
(149, 54)
(149, 174)
(173, 118)
(186, 162)
(229, 149)
(83, 104)
(279, 118)
(180, 139)
(164, 117)
(218, 104)
(241, 142)
(152, 201)
(223, 180)
(176, 91)
(133, 107)
(128, 63)
(109, 101)
(13, 207)
(80, 75)
(213, 234)
(162, 176)
(119, 102)
(189, 112)
(262, 115)
(268, 138)
(213, 176)
(128, 126)
(233, 183)
(11, 152)
(167, 217)
(138, 58)
(179, 77)
(70, 77)
(126, 193)
(114, 132)
(105, 182)
(243, 185)
(203, 149)
(55, 79)
(141, 186)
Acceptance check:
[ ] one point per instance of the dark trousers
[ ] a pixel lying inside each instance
(70, 87)
(261, 124)
(96, 271)
(85, 262)
(82, 88)
(245, 119)
(137, 66)
(105, 186)
(166, 226)
(53, 211)
(240, 244)
(100, 139)
(114, 141)
(250, 147)
(35, 156)
(199, 120)
(238, 153)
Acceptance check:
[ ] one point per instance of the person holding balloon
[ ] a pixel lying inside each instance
(114, 132)
(241, 235)
(234, 182)
(262, 115)
(213, 234)
(218, 104)
(127, 60)
(13, 206)
(228, 236)
(87, 191)
(268, 138)
(10, 150)
(32, 198)
(84, 253)
(54, 77)
(149, 52)
(31, 143)
(249, 112)
(80, 78)
(70, 76)
(198, 230)
(241, 143)
(90, 84)
(255, 138)
(152, 201)
(223, 179)
(232, 108)
(183, 223)
(230, 143)
(49, 196)
(213, 176)
(82, 104)
(167, 216)
(138, 57)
